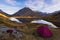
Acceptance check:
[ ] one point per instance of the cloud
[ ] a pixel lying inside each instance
(35, 4)
(54, 7)
(39, 5)
(56, 1)
(12, 2)
(9, 9)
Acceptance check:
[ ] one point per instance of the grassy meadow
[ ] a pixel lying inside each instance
(29, 33)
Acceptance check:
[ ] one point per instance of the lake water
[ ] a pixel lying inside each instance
(44, 22)
(37, 21)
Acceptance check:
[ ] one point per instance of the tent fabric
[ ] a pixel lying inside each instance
(44, 31)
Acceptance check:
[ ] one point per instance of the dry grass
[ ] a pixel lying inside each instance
(27, 32)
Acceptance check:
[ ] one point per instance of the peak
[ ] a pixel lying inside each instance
(26, 8)
(24, 11)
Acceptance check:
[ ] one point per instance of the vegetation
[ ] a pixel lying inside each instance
(29, 33)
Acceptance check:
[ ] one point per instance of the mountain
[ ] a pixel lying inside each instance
(26, 12)
(54, 18)
(1, 12)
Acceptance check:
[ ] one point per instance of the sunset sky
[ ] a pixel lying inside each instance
(12, 6)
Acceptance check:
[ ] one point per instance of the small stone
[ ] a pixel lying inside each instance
(9, 31)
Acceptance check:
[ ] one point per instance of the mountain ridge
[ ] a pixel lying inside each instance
(2, 12)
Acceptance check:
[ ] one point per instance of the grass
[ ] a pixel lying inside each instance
(27, 31)
(31, 29)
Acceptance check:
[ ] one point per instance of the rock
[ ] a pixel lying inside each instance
(9, 31)
(17, 34)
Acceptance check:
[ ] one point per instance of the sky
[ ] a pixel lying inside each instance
(12, 6)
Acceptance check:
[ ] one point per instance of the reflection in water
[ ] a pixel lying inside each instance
(37, 21)
(14, 19)
(44, 22)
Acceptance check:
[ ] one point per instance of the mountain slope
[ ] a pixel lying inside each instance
(1, 12)
(26, 12)
(54, 18)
